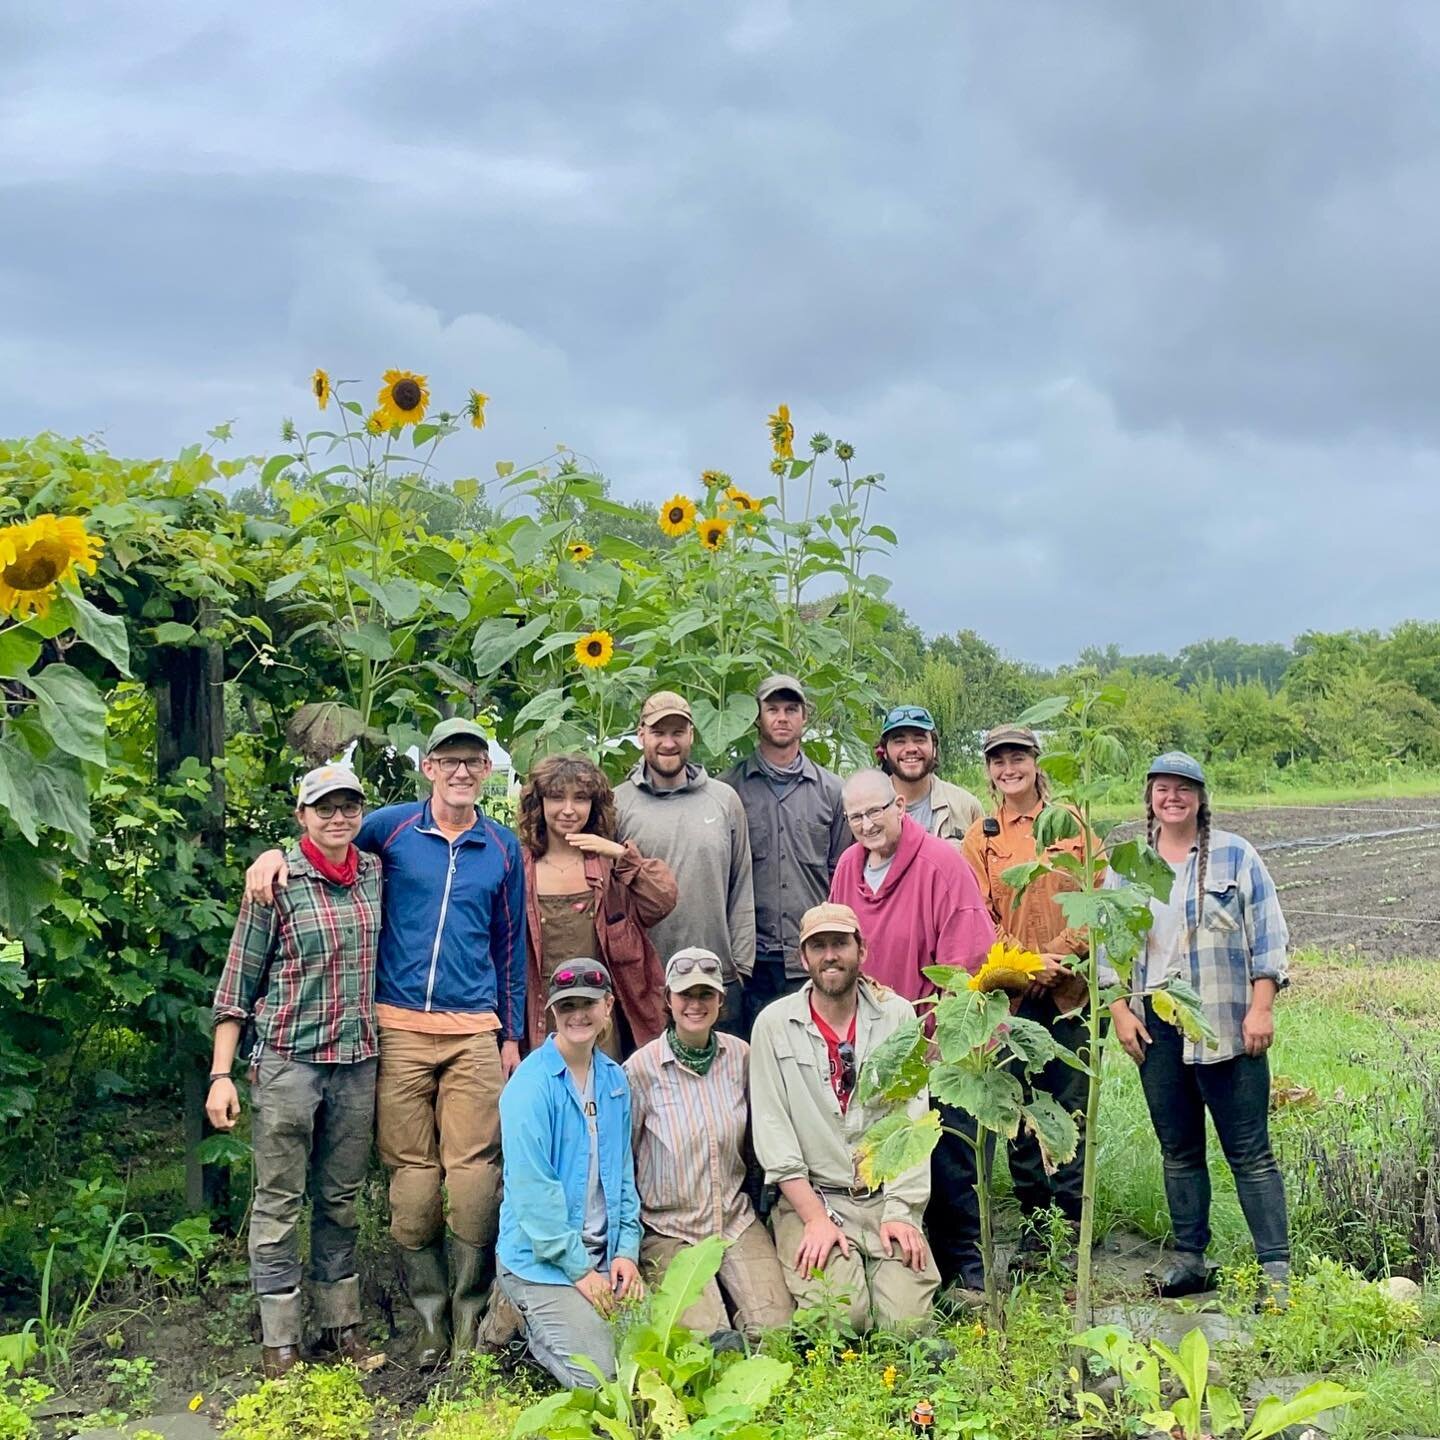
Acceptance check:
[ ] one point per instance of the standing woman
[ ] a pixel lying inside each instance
(1034, 921)
(570, 1217)
(587, 894)
(1221, 930)
(691, 1120)
(303, 970)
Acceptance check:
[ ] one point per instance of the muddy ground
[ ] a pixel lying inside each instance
(1360, 878)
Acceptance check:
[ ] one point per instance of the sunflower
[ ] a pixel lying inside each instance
(712, 533)
(377, 422)
(594, 650)
(402, 398)
(36, 555)
(714, 479)
(782, 433)
(475, 408)
(320, 387)
(1007, 968)
(578, 552)
(742, 500)
(778, 466)
(677, 515)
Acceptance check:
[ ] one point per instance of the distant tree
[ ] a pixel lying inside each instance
(970, 686)
(1411, 655)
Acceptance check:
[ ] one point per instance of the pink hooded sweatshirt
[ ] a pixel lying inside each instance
(928, 911)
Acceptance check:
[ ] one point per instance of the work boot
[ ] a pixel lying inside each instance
(724, 1342)
(1187, 1272)
(337, 1312)
(280, 1322)
(426, 1284)
(472, 1273)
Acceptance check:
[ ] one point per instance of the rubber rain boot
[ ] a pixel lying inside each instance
(472, 1273)
(427, 1284)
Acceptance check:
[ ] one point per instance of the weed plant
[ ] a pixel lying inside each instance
(321, 1402)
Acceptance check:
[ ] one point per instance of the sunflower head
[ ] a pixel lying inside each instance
(782, 433)
(475, 408)
(594, 650)
(712, 533)
(403, 398)
(1008, 968)
(377, 422)
(578, 552)
(778, 466)
(320, 388)
(714, 479)
(677, 515)
(742, 500)
(36, 556)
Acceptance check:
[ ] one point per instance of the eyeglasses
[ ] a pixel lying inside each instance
(867, 817)
(564, 979)
(348, 808)
(846, 1052)
(705, 964)
(449, 764)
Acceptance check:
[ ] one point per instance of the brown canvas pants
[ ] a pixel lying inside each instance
(438, 1123)
(750, 1277)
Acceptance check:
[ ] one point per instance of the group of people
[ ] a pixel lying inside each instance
(640, 1022)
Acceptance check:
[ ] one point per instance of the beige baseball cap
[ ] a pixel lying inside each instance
(695, 966)
(325, 780)
(828, 919)
(663, 703)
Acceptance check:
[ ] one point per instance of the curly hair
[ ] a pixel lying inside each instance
(1202, 846)
(551, 778)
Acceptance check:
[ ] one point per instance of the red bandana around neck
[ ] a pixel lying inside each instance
(345, 873)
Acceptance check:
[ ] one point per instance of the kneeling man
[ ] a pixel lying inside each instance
(806, 1054)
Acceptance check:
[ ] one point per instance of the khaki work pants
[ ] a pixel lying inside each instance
(876, 1291)
(750, 1277)
(438, 1122)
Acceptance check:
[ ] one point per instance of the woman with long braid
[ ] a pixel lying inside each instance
(1221, 930)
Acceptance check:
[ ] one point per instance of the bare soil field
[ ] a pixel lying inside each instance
(1362, 877)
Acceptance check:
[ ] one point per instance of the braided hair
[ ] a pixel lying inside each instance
(1202, 845)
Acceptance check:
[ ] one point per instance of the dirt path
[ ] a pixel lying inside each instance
(1363, 876)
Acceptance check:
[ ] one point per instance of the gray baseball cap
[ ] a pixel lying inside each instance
(776, 684)
(326, 780)
(456, 729)
(1177, 762)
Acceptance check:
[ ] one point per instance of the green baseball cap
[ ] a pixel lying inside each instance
(456, 729)
(908, 717)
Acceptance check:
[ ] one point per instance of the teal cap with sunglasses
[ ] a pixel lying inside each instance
(456, 729)
(908, 717)
(692, 967)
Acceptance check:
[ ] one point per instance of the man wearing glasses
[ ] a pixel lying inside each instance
(450, 1003)
(909, 753)
(919, 904)
(806, 1053)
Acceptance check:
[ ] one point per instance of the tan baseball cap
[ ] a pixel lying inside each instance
(828, 919)
(695, 966)
(663, 703)
(325, 780)
(776, 683)
(1010, 735)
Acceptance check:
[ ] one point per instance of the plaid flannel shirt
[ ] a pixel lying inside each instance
(1241, 938)
(305, 967)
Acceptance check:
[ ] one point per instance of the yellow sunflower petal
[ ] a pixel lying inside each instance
(677, 515)
(594, 650)
(37, 555)
(712, 533)
(320, 388)
(782, 433)
(403, 398)
(579, 552)
(1007, 968)
(475, 408)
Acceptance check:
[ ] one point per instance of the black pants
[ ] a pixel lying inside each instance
(1034, 1189)
(1236, 1092)
(767, 984)
(952, 1218)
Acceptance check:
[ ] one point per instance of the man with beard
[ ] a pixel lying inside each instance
(797, 833)
(909, 753)
(806, 1053)
(450, 1003)
(672, 810)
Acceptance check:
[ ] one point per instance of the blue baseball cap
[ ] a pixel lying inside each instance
(908, 717)
(1177, 762)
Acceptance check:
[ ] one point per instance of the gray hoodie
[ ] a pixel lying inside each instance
(699, 831)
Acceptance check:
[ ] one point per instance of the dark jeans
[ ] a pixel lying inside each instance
(1237, 1094)
(1034, 1189)
(952, 1218)
(769, 983)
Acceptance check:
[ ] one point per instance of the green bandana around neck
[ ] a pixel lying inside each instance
(692, 1059)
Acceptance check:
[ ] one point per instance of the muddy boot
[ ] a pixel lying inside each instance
(280, 1322)
(1185, 1273)
(426, 1282)
(337, 1311)
(502, 1326)
(472, 1275)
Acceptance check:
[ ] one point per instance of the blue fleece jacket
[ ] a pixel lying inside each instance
(452, 918)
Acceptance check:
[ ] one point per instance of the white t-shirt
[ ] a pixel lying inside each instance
(1167, 931)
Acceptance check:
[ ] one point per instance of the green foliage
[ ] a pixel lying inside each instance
(323, 1402)
(19, 1401)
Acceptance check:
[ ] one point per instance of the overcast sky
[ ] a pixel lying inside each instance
(1153, 282)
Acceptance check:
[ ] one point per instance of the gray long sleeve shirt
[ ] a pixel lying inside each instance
(699, 831)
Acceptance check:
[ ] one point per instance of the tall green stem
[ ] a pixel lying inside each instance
(1083, 1267)
(987, 1231)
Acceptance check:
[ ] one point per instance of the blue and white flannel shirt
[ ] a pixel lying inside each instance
(1241, 938)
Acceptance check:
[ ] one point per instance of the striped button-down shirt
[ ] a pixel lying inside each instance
(305, 967)
(1239, 937)
(690, 1133)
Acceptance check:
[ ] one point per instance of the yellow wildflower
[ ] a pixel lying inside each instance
(1007, 968)
(403, 398)
(887, 1379)
(978, 1330)
(847, 1355)
(36, 555)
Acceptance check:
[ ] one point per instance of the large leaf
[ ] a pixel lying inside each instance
(1139, 864)
(1225, 1411)
(104, 634)
(72, 711)
(991, 1095)
(966, 1020)
(370, 639)
(19, 650)
(686, 1277)
(1044, 710)
(1054, 824)
(321, 730)
(1273, 1415)
(895, 1069)
(499, 639)
(47, 792)
(718, 730)
(1177, 1003)
(752, 1382)
(1053, 1126)
(541, 1417)
(399, 598)
(1032, 1043)
(895, 1145)
(17, 1349)
(1020, 877)
(28, 884)
(667, 1414)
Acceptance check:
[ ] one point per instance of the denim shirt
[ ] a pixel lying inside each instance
(547, 1160)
